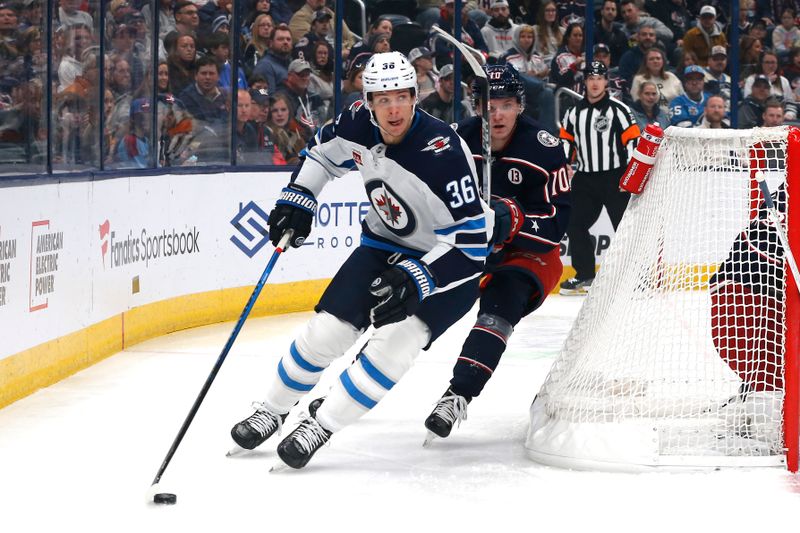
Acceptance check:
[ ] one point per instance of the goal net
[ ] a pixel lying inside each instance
(678, 356)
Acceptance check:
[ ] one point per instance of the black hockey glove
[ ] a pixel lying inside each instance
(400, 291)
(294, 211)
(508, 219)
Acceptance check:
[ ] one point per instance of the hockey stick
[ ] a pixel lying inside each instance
(486, 131)
(171, 498)
(778, 225)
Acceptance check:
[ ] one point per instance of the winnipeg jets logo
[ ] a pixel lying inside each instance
(392, 210)
(546, 139)
(357, 157)
(515, 176)
(438, 144)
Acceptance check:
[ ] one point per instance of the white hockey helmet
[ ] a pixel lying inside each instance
(388, 71)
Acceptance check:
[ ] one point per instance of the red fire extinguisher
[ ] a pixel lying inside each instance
(644, 157)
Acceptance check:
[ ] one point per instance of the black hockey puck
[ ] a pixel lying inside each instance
(165, 498)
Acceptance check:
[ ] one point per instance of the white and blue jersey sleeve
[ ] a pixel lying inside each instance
(423, 191)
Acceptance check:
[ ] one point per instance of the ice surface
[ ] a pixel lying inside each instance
(80, 455)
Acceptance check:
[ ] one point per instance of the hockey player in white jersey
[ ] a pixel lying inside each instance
(423, 247)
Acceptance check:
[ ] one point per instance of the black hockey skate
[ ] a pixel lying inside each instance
(301, 444)
(314, 405)
(256, 428)
(450, 409)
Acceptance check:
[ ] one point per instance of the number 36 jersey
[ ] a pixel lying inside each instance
(423, 191)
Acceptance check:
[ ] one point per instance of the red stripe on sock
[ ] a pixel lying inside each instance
(476, 363)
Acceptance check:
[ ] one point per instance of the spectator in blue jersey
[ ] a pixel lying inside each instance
(133, 150)
(686, 109)
(274, 66)
(609, 32)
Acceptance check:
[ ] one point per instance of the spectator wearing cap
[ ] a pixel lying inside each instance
(673, 14)
(301, 24)
(274, 66)
(717, 81)
(654, 69)
(382, 24)
(714, 116)
(124, 43)
(422, 59)
(266, 149)
(629, 63)
(685, 110)
(498, 31)
(141, 33)
(646, 106)
(633, 20)
(220, 49)
(440, 102)
(787, 35)
(706, 35)
(69, 13)
(751, 110)
(773, 113)
(602, 132)
(568, 61)
(310, 109)
(470, 33)
(320, 28)
(609, 32)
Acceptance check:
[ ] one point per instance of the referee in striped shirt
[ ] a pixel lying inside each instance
(601, 131)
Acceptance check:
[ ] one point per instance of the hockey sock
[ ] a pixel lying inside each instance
(480, 355)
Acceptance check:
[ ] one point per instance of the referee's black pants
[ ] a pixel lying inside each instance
(590, 192)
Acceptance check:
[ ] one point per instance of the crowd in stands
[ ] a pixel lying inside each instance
(668, 60)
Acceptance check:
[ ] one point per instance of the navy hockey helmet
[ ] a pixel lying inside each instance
(504, 82)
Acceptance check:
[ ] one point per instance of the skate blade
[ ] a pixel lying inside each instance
(236, 451)
(279, 467)
(429, 438)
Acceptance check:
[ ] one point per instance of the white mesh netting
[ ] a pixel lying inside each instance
(675, 358)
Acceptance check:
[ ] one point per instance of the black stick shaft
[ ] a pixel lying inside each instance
(221, 359)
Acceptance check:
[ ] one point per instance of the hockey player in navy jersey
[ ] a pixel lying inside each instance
(531, 199)
(423, 248)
